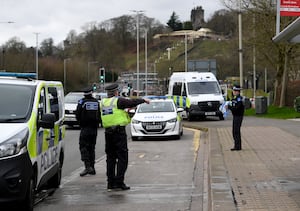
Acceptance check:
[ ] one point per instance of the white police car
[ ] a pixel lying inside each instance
(159, 118)
(71, 101)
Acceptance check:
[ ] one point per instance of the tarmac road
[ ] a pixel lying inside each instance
(163, 175)
(199, 172)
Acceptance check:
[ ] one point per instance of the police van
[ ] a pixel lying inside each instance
(31, 137)
(199, 93)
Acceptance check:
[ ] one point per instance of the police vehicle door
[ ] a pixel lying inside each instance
(45, 139)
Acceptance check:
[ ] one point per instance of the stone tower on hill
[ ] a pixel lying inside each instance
(197, 18)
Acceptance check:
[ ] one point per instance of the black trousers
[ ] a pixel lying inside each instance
(116, 154)
(236, 131)
(87, 143)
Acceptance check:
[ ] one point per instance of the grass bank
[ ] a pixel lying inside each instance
(275, 113)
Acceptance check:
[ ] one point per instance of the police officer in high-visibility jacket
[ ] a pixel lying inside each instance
(114, 120)
(88, 116)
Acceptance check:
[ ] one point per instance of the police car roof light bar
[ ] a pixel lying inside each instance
(18, 75)
(156, 97)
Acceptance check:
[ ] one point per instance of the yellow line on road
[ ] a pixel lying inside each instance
(196, 141)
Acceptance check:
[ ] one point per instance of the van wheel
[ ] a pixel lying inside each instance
(221, 117)
(54, 182)
(28, 202)
(189, 117)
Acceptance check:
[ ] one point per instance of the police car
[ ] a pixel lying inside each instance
(159, 118)
(71, 101)
(31, 137)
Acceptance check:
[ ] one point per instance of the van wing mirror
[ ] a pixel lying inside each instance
(47, 121)
(180, 110)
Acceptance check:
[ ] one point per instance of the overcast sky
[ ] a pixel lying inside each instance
(55, 18)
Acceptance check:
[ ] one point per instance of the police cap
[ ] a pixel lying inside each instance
(237, 88)
(112, 87)
(87, 91)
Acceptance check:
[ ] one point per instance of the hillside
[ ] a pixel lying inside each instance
(200, 49)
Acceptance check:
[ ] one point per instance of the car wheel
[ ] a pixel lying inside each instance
(177, 137)
(28, 202)
(189, 117)
(134, 138)
(221, 117)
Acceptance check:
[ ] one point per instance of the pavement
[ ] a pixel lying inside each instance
(264, 175)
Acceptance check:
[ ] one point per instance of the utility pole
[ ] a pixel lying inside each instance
(240, 45)
(37, 55)
(138, 12)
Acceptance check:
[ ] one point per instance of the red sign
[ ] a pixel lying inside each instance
(289, 7)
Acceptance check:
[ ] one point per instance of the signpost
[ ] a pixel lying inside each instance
(289, 7)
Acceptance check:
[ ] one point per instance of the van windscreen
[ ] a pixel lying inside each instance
(16, 104)
(207, 87)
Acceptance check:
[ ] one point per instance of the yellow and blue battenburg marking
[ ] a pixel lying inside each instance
(180, 101)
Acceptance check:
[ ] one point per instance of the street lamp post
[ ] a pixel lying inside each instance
(185, 52)
(88, 72)
(3, 50)
(240, 44)
(138, 12)
(65, 73)
(146, 63)
(37, 55)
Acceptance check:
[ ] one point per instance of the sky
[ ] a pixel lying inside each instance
(37, 20)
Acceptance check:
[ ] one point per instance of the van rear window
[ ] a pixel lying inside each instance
(16, 104)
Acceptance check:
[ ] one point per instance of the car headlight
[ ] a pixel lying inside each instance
(172, 120)
(134, 121)
(194, 102)
(15, 144)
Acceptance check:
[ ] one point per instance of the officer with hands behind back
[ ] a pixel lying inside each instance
(237, 109)
(114, 120)
(88, 116)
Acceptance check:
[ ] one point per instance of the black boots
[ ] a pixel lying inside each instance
(115, 187)
(88, 170)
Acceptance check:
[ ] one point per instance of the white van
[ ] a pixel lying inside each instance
(199, 93)
(31, 137)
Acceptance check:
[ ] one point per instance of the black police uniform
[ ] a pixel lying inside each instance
(237, 109)
(88, 115)
(116, 145)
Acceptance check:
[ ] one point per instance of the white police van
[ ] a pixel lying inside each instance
(199, 93)
(31, 137)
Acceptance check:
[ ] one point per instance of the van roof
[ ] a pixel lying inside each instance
(25, 81)
(193, 76)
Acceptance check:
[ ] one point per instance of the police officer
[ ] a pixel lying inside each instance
(88, 116)
(237, 109)
(114, 120)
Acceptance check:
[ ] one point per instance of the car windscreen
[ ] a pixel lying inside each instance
(17, 102)
(73, 98)
(208, 87)
(156, 107)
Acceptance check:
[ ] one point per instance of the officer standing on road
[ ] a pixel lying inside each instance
(237, 109)
(88, 116)
(114, 120)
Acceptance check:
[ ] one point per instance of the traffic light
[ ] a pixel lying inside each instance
(129, 86)
(94, 87)
(102, 75)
